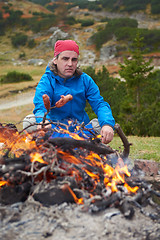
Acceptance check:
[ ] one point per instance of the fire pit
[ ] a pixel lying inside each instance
(73, 186)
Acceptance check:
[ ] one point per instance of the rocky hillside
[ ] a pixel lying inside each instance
(43, 50)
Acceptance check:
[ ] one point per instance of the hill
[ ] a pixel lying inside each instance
(30, 31)
(69, 19)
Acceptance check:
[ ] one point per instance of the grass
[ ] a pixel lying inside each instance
(142, 147)
(35, 71)
(15, 115)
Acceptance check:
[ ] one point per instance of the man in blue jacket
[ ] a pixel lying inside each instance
(63, 77)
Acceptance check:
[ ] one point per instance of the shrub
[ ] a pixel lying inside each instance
(70, 20)
(31, 43)
(1, 15)
(36, 25)
(19, 39)
(13, 77)
(85, 23)
(22, 55)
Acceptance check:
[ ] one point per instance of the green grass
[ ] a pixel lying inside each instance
(141, 148)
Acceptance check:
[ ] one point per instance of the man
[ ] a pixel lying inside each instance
(63, 77)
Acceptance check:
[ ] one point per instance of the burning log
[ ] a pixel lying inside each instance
(67, 143)
(105, 203)
(54, 195)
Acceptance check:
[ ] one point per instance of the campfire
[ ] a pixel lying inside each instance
(42, 171)
(74, 169)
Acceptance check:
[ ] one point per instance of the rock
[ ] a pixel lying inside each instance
(149, 167)
(107, 52)
(52, 29)
(36, 62)
(88, 58)
(58, 34)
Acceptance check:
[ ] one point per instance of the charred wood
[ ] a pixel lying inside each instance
(54, 196)
(13, 194)
(126, 208)
(105, 203)
(67, 143)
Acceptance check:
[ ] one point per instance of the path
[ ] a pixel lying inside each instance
(17, 100)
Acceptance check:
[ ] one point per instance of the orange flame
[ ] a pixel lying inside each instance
(77, 200)
(2, 183)
(73, 135)
(36, 157)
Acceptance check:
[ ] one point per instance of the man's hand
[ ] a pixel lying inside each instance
(107, 134)
(46, 126)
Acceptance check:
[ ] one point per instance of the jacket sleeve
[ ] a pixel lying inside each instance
(101, 108)
(43, 87)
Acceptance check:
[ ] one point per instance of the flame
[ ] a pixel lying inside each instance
(117, 176)
(16, 143)
(36, 157)
(2, 183)
(77, 200)
(69, 122)
(90, 163)
(73, 135)
(69, 158)
(131, 189)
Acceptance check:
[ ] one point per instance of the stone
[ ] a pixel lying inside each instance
(149, 167)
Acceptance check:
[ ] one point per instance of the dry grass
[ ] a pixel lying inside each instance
(35, 71)
(15, 115)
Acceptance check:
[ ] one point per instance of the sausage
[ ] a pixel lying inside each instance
(63, 100)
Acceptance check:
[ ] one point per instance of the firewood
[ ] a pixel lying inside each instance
(72, 143)
(126, 144)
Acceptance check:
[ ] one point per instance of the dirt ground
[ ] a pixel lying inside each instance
(17, 100)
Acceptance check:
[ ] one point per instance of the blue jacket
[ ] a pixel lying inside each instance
(82, 88)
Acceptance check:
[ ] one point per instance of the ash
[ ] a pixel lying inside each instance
(32, 221)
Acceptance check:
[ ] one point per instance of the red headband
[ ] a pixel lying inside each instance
(64, 45)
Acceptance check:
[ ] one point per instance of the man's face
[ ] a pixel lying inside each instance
(66, 63)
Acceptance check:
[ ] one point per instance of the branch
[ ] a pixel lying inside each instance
(68, 143)
(126, 144)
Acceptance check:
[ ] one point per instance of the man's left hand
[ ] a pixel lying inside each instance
(107, 134)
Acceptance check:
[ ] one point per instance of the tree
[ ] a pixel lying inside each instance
(140, 108)
(136, 71)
